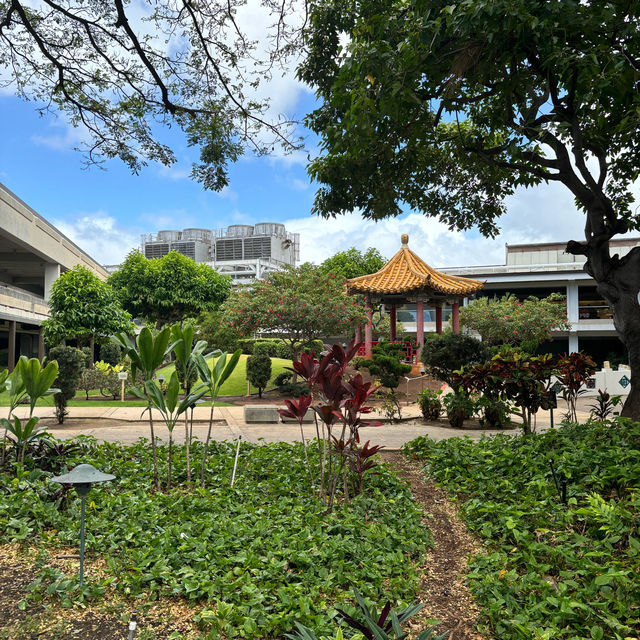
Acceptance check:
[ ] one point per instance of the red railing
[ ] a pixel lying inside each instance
(409, 351)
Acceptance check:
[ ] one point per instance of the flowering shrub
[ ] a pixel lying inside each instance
(508, 320)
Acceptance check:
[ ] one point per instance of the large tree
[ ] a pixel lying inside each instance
(117, 69)
(508, 320)
(353, 263)
(168, 289)
(299, 305)
(447, 106)
(84, 308)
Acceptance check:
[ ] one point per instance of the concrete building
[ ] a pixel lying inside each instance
(244, 252)
(33, 253)
(539, 270)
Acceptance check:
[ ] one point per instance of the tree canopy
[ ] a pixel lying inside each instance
(508, 320)
(299, 304)
(168, 289)
(85, 308)
(353, 263)
(448, 106)
(118, 69)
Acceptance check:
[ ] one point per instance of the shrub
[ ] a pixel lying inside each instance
(90, 379)
(494, 413)
(315, 346)
(283, 350)
(390, 404)
(71, 362)
(265, 348)
(442, 355)
(386, 364)
(283, 378)
(459, 408)
(110, 353)
(430, 404)
(259, 371)
(246, 344)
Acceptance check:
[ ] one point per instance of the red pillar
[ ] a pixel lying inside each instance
(368, 332)
(439, 319)
(419, 327)
(358, 335)
(392, 323)
(455, 317)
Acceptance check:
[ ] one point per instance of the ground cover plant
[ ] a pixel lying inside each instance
(256, 558)
(551, 570)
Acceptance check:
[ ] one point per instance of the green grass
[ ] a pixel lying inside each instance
(236, 385)
(550, 571)
(252, 559)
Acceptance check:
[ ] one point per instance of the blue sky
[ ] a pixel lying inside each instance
(105, 211)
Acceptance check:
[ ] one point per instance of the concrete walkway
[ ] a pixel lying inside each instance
(127, 424)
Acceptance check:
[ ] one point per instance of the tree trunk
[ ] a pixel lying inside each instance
(618, 281)
(626, 318)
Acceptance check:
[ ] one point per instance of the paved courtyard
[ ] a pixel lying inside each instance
(126, 424)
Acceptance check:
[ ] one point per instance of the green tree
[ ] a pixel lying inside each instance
(71, 362)
(508, 320)
(212, 328)
(118, 72)
(168, 289)
(300, 305)
(259, 371)
(448, 107)
(84, 308)
(353, 263)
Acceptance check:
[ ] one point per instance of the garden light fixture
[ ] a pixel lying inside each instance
(82, 477)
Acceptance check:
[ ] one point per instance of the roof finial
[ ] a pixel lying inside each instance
(404, 238)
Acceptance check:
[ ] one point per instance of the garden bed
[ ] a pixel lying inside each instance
(550, 570)
(244, 562)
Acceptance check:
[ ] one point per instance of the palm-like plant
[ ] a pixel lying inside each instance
(169, 406)
(147, 354)
(28, 379)
(213, 378)
(185, 352)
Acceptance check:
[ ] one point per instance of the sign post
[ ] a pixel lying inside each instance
(122, 376)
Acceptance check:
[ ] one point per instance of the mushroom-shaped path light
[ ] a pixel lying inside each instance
(82, 477)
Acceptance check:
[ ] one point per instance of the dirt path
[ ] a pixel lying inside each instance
(442, 590)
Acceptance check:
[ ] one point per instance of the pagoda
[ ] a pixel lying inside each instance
(407, 278)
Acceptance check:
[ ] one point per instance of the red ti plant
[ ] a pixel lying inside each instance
(573, 371)
(297, 411)
(340, 401)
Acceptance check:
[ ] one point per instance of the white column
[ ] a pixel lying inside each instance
(51, 273)
(573, 342)
(572, 302)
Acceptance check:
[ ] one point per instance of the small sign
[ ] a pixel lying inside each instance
(556, 388)
(624, 382)
(122, 375)
(553, 399)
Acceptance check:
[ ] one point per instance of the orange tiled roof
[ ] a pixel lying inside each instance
(407, 272)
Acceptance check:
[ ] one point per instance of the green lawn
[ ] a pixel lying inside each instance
(236, 385)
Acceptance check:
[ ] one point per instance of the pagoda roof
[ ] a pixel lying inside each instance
(406, 272)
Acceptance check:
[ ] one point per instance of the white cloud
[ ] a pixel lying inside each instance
(68, 138)
(541, 214)
(100, 235)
